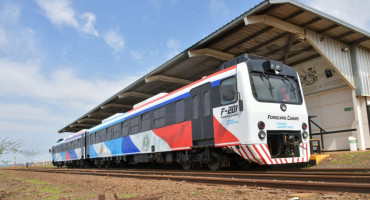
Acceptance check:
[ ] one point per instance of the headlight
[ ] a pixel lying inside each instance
(305, 135)
(262, 135)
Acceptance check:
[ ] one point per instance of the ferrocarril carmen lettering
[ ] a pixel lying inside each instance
(276, 117)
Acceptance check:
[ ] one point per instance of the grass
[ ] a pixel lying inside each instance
(38, 182)
(126, 196)
(357, 159)
(219, 190)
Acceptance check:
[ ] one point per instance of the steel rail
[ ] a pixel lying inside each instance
(303, 182)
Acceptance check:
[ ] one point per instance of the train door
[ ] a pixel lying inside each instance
(202, 119)
(86, 144)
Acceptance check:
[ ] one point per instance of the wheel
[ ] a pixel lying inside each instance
(215, 164)
(186, 166)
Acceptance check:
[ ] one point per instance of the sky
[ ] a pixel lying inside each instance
(60, 58)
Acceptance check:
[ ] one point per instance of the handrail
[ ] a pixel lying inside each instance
(323, 132)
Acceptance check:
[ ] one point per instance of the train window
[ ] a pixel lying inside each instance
(145, 122)
(109, 133)
(125, 128)
(116, 130)
(97, 137)
(206, 103)
(275, 88)
(103, 135)
(228, 91)
(134, 125)
(160, 117)
(92, 137)
(180, 111)
(195, 107)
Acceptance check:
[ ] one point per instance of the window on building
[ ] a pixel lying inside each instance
(160, 117)
(228, 91)
(145, 122)
(180, 111)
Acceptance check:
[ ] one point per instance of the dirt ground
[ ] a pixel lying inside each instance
(32, 185)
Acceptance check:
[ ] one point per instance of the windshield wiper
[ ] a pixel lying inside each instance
(270, 86)
(292, 88)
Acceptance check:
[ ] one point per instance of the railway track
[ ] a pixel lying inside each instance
(340, 180)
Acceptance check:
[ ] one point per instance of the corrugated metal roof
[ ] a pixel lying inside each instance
(235, 38)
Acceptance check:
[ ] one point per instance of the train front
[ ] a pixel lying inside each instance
(275, 119)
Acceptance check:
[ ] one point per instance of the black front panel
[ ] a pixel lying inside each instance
(202, 120)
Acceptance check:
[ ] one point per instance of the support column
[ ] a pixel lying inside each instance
(359, 121)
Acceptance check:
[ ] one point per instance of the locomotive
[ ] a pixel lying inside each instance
(250, 111)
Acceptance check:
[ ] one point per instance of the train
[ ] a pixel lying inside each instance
(251, 110)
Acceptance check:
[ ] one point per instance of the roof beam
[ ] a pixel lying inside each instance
(305, 59)
(115, 105)
(134, 94)
(262, 31)
(89, 120)
(328, 28)
(167, 79)
(343, 35)
(81, 125)
(100, 113)
(267, 42)
(211, 53)
(265, 19)
(71, 130)
(288, 47)
(359, 40)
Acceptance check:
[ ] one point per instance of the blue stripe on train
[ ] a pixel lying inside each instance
(72, 154)
(92, 151)
(128, 147)
(114, 146)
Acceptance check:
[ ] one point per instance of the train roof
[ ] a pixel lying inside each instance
(233, 39)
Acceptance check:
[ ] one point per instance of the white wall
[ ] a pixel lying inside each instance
(329, 107)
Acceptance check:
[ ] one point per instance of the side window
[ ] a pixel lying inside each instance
(228, 90)
(109, 133)
(134, 125)
(160, 117)
(145, 122)
(125, 128)
(103, 135)
(180, 111)
(195, 107)
(116, 130)
(206, 103)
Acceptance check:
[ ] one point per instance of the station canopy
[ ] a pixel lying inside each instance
(265, 30)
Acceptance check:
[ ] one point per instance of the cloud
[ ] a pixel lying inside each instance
(60, 13)
(15, 39)
(11, 12)
(114, 40)
(218, 8)
(354, 12)
(89, 25)
(174, 47)
(61, 87)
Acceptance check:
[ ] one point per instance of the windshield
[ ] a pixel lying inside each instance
(274, 88)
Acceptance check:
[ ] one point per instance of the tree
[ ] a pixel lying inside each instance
(13, 146)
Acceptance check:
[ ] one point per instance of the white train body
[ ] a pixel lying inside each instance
(250, 109)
